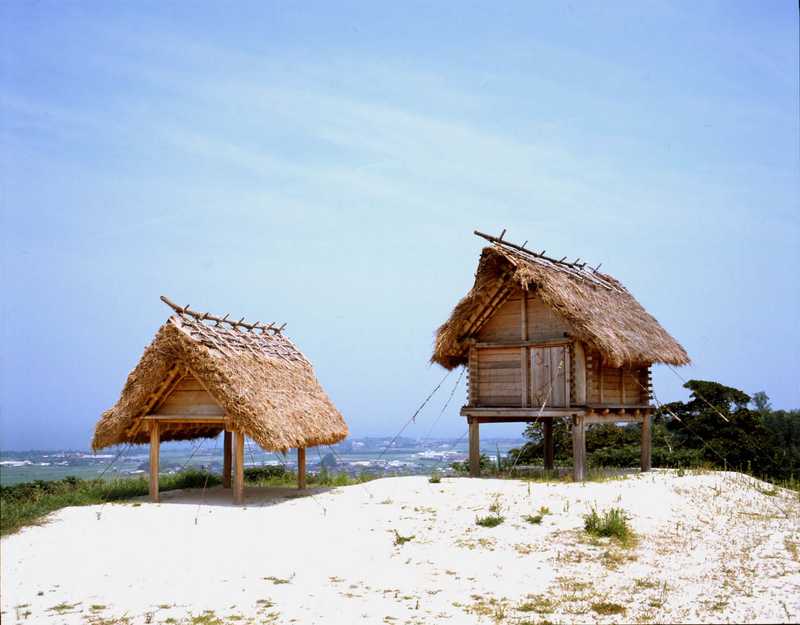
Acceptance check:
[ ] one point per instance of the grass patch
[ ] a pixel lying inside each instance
(30, 502)
(435, 478)
(537, 604)
(63, 607)
(613, 523)
(536, 519)
(490, 520)
(400, 540)
(280, 476)
(608, 608)
(206, 618)
(277, 580)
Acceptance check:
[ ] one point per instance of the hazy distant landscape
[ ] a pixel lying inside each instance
(405, 456)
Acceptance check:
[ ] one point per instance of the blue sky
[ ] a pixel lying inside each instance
(325, 165)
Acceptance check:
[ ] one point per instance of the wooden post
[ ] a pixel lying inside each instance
(578, 448)
(226, 460)
(155, 442)
(238, 462)
(549, 451)
(301, 468)
(580, 374)
(646, 450)
(474, 449)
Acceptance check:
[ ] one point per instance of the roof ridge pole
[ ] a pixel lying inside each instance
(557, 264)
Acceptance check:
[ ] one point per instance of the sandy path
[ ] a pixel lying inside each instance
(713, 548)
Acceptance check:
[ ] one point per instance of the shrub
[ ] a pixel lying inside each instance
(463, 467)
(435, 478)
(258, 474)
(534, 519)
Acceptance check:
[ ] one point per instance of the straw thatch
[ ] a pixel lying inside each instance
(264, 383)
(600, 311)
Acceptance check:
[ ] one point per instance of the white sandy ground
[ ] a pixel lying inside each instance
(713, 547)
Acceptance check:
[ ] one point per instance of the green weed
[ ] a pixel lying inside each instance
(491, 520)
(612, 523)
(400, 539)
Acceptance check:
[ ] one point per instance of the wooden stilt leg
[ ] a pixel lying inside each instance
(646, 443)
(549, 451)
(301, 468)
(155, 442)
(226, 460)
(238, 462)
(474, 449)
(579, 448)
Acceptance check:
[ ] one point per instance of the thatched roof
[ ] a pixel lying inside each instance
(600, 311)
(266, 386)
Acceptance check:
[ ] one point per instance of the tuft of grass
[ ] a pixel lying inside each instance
(490, 520)
(613, 523)
(435, 478)
(536, 519)
(400, 540)
(608, 608)
(496, 507)
(537, 604)
(276, 580)
(208, 617)
(63, 607)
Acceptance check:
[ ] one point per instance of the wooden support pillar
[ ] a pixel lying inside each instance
(301, 468)
(155, 443)
(646, 443)
(226, 460)
(474, 448)
(549, 450)
(578, 448)
(238, 464)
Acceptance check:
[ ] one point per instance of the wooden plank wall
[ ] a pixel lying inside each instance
(499, 377)
(544, 323)
(189, 398)
(505, 323)
(613, 385)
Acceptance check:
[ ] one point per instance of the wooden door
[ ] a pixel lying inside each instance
(550, 376)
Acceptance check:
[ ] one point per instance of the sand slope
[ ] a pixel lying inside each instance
(714, 547)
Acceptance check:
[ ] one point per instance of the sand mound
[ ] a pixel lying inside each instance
(712, 547)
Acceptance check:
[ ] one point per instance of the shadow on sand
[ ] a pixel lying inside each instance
(254, 496)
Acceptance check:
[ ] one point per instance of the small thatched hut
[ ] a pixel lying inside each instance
(545, 338)
(203, 375)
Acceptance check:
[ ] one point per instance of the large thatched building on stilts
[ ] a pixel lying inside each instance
(543, 338)
(203, 375)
